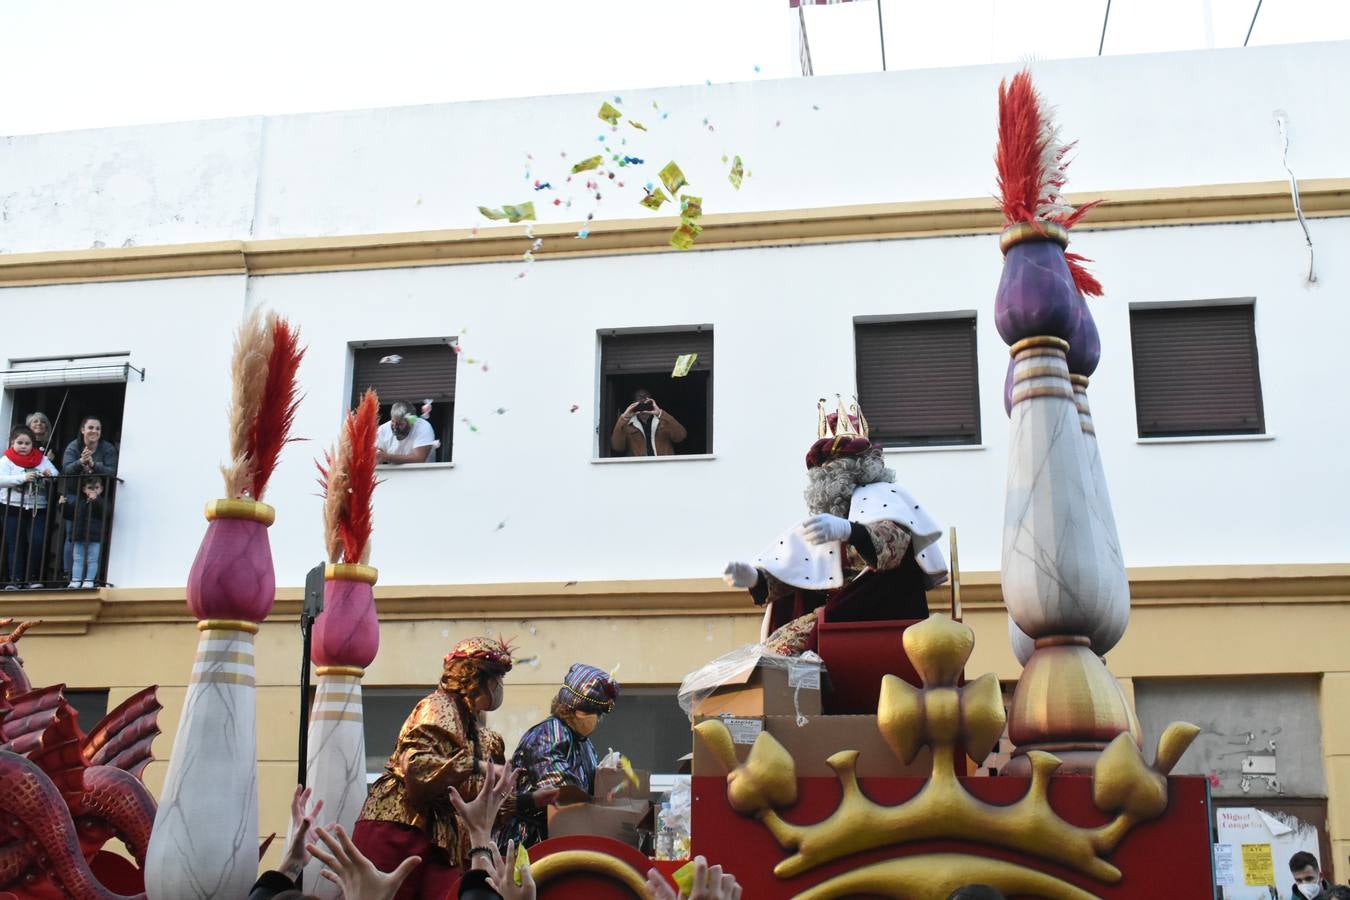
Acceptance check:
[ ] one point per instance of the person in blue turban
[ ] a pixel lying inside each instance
(558, 751)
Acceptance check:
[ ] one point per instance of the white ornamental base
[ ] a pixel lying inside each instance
(337, 760)
(1054, 565)
(205, 839)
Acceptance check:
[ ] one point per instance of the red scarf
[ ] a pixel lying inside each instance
(30, 460)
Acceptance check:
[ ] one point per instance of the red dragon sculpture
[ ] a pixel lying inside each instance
(65, 793)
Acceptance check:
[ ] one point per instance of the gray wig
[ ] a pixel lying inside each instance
(831, 485)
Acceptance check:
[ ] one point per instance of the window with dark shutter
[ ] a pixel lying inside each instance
(415, 373)
(645, 360)
(1196, 371)
(918, 381)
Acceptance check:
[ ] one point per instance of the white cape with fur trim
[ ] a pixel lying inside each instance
(794, 560)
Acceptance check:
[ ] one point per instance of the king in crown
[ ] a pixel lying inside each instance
(866, 552)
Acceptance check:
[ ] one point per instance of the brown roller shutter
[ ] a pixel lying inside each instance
(918, 381)
(1195, 371)
(425, 371)
(652, 352)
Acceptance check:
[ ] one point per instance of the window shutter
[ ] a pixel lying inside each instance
(1196, 371)
(655, 352)
(918, 381)
(425, 371)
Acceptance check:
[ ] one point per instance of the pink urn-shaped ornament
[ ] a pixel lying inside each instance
(232, 576)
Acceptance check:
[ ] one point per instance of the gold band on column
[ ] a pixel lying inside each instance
(1033, 231)
(353, 671)
(351, 572)
(227, 625)
(1040, 340)
(240, 509)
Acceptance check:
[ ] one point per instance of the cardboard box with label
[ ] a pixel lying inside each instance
(783, 687)
(619, 809)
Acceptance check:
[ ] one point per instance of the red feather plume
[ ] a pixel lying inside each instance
(347, 484)
(271, 427)
(361, 428)
(1032, 163)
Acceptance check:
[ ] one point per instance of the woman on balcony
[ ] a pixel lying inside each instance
(24, 481)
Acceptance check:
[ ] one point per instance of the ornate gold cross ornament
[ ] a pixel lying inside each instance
(943, 717)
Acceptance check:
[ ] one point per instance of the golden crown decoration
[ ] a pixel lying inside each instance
(943, 717)
(849, 421)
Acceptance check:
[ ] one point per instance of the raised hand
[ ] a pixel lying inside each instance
(293, 862)
(353, 872)
(740, 574)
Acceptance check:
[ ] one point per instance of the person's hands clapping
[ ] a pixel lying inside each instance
(353, 872)
(825, 529)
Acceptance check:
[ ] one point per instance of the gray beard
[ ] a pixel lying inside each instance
(831, 486)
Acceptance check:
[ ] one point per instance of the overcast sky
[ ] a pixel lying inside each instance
(83, 64)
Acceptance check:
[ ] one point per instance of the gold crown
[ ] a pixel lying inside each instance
(942, 716)
(844, 420)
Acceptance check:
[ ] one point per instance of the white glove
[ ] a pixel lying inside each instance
(740, 575)
(825, 529)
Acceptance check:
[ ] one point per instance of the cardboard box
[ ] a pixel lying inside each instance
(765, 690)
(621, 820)
(813, 743)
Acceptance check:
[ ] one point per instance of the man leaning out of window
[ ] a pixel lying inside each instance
(405, 438)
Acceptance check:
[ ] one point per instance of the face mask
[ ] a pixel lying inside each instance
(1309, 890)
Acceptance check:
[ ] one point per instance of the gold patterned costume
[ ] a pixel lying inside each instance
(440, 746)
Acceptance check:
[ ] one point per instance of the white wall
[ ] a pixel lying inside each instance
(1198, 117)
(782, 318)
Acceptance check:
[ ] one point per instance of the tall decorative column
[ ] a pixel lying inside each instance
(347, 632)
(1056, 568)
(204, 843)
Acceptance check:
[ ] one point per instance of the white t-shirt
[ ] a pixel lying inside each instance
(420, 435)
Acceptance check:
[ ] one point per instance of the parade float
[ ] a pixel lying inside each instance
(843, 766)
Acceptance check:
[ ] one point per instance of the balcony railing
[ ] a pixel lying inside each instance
(56, 532)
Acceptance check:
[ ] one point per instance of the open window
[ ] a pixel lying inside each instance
(417, 372)
(633, 360)
(67, 544)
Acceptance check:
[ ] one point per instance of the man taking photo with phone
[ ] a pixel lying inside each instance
(645, 429)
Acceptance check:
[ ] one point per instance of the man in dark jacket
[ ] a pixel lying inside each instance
(1308, 881)
(645, 429)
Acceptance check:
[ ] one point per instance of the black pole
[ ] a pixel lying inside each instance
(1106, 18)
(881, 29)
(309, 611)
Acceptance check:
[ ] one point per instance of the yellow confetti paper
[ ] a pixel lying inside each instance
(636, 124)
(628, 772)
(518, 213)
(654, 199)
(522, 860)
(684, 878)
(683, 237)
(736, 174)
(691, 207)
(492, 213)
(672, 177)
(609, 114)
(683, 364)
(586, 164)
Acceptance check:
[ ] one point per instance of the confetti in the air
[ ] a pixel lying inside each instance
(736, 174)
(592, 162)
(654, 199)
(609, 114)
(501, 410)
(683, 364)
(638, 125)
(574, 408)
(392, 359)
(672, 177)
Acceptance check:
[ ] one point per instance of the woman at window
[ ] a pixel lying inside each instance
(25, 480)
